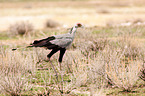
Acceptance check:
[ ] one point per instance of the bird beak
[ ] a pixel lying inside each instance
(82, 26)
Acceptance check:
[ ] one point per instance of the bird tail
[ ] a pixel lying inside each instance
(40, 43)
(36, 43)
(23, 47)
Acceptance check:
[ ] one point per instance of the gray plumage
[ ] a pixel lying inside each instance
(64, 41)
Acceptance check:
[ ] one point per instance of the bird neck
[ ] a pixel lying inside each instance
(73, 30)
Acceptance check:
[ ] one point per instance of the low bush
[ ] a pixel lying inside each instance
(20, 28)
(51, 24)
(15, 68)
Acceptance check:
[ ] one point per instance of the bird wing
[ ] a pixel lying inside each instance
(43, 42)
(62, 40)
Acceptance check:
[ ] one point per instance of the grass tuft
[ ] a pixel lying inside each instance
(20, 28)
(51, 24)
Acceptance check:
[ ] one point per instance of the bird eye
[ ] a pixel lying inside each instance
(79, 25)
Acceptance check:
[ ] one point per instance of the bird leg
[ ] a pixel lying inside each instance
(60, 66)
(59, 86)
(52, 52)
(61, 82)
(48, 56)
(62, 51)
(53, 68)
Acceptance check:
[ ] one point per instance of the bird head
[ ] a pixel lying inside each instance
(79, 25)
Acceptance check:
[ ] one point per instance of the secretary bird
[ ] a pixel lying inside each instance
(57, 43)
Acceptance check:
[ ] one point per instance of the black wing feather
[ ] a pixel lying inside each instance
(43, 42)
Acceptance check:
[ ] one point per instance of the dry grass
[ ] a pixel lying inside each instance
(20, 28)
(51, 24)
(92, 64)
(122, 75)
(100, 58)
(16, 68)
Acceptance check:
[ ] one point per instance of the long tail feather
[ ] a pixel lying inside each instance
(22, 47)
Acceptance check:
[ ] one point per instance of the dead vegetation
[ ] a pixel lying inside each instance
(51, 23)
(16, 68)
(102, 60)
(93, 63)
(20, 28)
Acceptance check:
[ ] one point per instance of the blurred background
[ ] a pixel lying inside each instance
(68, 12)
